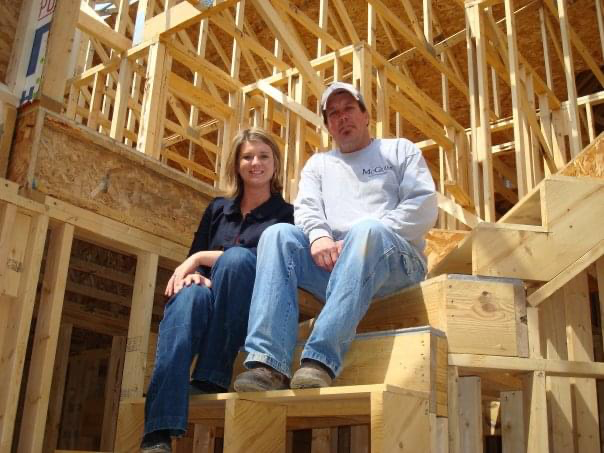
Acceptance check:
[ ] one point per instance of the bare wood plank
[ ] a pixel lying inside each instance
(535, 404)
(201, 65)
(566, 275)
(345, 18)
(359, 439)
(92, 24)
(187, 91)
(8, 119)
(55, 405)
(512, 422)
(180, 17)
(154, 101)
(453, 409)
(204, 439)
(135, 361)
(553, 329)
(321, 440)
(470, 414)
(122, 95)
(399, 419)
(457, 211)
(45, 340)
(562, 14)
(299, 16)
(481, 104)
(580, 347)
(519, 150)
(569, 72)
(9, 214)
(19, 314)
(272, 17)
(254, 426)
(422, 47)
(60, 45)
(113, 385)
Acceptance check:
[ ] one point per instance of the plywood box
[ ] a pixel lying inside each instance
(478, 315)
(60, 158)
(412, 359)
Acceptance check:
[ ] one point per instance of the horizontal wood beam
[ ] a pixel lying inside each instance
(290, 104)
(457, 211)
(93, 25)
(180, 17)
(486, 363)
(205, 102)
(198, 64)
(566, 275)
(94, 227)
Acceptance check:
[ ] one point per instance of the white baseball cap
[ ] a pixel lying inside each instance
(337, 87)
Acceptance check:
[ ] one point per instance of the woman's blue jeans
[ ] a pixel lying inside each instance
(210, 322)
(374, 262)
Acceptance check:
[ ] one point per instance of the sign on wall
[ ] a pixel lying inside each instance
(33, 75)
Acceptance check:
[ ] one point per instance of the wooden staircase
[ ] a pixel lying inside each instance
(544, 234)
(395, 381)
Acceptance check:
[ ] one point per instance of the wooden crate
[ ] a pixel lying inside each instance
(478, 315)
(413, 359)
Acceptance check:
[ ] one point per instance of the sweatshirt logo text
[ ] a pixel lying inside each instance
(376, 171)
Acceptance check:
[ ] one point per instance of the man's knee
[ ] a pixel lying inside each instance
(279, 233)
(368, 228)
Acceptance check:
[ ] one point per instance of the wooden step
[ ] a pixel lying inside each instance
(414, 359)
(478, 315)
(568, 210)
(257, 422)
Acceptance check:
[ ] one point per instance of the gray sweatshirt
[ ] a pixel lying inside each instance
(388, 181)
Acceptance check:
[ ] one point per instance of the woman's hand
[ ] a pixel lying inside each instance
(185, 275)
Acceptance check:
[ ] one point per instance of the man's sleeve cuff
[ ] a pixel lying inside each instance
(317, 234)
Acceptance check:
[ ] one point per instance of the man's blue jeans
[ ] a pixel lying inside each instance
(374, 262)
(210, 322)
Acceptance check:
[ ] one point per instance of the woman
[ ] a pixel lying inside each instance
(211, 290)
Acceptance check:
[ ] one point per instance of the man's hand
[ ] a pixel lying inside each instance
(185, 275)
(325, 252)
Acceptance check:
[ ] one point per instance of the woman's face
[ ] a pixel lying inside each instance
(256, 164)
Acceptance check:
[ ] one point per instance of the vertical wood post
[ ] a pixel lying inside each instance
(18, 315)
(135, 361)
(45, 340)
(59, 375)
(151, 129)
(470, 414)
(253, 426)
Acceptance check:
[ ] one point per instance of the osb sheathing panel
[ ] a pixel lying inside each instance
(590, 162)
(81, 167)
(9, 15)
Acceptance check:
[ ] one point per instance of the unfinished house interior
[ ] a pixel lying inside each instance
(116, 118)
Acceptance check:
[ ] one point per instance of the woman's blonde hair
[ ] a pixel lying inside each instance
(234, 183)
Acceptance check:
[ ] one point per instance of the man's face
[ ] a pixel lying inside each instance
(346, 122)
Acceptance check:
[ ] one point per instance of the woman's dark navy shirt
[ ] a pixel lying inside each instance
(222, 225)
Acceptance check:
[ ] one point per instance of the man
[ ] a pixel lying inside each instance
(361, 214)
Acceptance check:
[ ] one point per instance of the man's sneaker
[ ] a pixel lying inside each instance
(311, 374)
(260, 379)
(157, 442)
